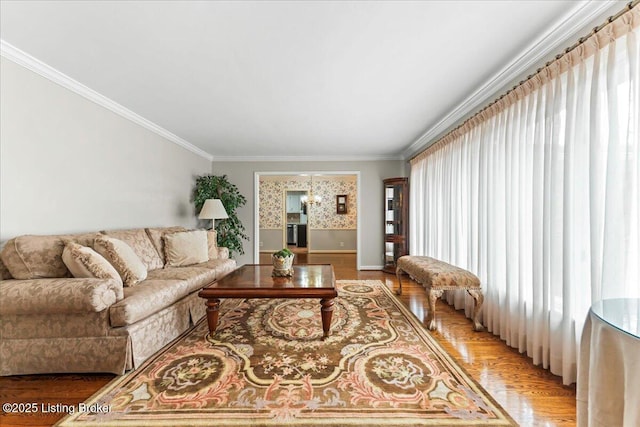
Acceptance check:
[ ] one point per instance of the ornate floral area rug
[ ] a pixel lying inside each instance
(267, 365)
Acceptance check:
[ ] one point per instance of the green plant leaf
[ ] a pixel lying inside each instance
(231, 231)
(283, 253)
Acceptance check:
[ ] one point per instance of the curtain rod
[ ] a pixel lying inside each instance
(559, 56)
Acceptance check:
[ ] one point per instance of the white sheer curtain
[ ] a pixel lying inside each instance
(538, 195)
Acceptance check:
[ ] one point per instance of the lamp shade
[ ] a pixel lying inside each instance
(213, 209)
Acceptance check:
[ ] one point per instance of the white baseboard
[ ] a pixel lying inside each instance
(332, 251)
(371, 267)
(323, 251)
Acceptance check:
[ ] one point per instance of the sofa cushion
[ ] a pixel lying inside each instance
(138, 240)
(33, 257)
(145, 299)
(155, 235)
(196, 277)
(85, 262)
(185, 248)
(84, 239)
(164, 287)
(58, 295)
(123, 258)
(221, 266)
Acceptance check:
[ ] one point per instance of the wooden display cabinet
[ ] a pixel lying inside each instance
(396, 221)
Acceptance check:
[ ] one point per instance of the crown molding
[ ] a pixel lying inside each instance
(545, 45)
(25, 60)
(371, 158)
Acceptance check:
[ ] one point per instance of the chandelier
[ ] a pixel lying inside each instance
(311, 198)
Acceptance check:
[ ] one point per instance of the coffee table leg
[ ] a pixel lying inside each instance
(327, 313)
(213, 307)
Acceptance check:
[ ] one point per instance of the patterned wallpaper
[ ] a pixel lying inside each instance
(322, 216)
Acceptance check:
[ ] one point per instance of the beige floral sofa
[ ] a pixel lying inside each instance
(100, 318)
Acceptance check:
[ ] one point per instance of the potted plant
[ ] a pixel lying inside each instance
(230, 231)
(283, 262)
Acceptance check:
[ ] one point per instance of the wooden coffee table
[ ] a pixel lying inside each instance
(255, 281)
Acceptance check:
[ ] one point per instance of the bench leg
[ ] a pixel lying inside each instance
(432, 295)
(479, 297)
(398, 275)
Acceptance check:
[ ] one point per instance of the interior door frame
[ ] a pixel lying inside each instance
(256, 204)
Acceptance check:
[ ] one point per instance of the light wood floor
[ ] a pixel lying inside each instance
(531, 395)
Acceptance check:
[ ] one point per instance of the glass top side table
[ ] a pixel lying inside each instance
(621, 313)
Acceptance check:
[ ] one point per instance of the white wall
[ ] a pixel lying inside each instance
(371, 192)
(70, 165)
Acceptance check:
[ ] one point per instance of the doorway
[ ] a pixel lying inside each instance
(296, 212)
(333, 226)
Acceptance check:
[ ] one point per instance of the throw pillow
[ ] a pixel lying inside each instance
(138, 240)
(85, 262)
(155, 235)
(186, 248)
(123, 258)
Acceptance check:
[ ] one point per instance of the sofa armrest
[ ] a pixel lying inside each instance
(223, 253)
(60, 295)
(220, 253)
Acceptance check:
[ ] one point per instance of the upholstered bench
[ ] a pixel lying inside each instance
(438, 276)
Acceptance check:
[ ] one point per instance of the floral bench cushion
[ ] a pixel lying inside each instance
(437, 274)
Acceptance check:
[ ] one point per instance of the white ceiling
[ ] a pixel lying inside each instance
(307, 79)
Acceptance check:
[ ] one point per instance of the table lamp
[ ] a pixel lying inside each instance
(213, 209)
